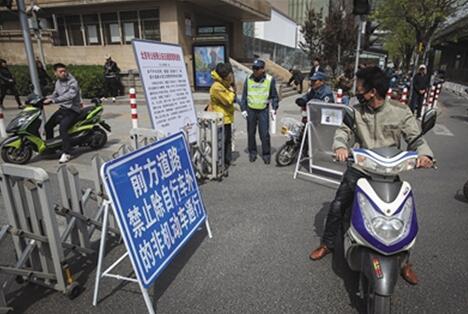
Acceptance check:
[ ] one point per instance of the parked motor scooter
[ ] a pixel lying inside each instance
(24, 139)
(293, 130)
(382, 226)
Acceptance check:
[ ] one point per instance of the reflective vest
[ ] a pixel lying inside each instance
(258, 92)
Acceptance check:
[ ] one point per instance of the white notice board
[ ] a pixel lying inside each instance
(167, 88)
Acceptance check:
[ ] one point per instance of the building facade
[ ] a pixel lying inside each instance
(84, 32)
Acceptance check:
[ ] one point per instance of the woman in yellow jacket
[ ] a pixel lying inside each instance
(222, 97)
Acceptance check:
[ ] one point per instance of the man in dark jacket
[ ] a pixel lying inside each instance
(7, 83)
(44, 78)
(111, 78)
(316, 67)
(420, 85)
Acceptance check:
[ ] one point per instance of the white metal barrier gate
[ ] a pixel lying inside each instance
(42, 247)
(322, 121)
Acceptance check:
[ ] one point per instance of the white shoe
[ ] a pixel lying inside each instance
(113, 99)
(64, 158)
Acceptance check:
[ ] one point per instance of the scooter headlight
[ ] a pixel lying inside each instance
(372, 165)
(386, 229)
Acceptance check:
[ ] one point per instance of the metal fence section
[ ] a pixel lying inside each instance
(208, 154)
(42, 248)
(316, 157)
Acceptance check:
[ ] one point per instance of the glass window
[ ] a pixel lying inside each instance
(130, 30)
(92, 29)
(60, 37)
(74, 30)
(111, 29)
(150, 24)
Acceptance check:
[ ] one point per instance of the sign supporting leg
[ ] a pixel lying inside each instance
(102, 249)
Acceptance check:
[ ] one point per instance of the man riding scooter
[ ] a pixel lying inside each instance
(379, 123)
(67, 95)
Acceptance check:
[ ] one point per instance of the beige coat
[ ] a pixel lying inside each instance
(382, 127)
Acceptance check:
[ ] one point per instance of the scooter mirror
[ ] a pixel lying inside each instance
(428, 121)
(349, 117)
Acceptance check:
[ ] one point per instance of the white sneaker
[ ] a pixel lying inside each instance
(113, 99)
(64, 158)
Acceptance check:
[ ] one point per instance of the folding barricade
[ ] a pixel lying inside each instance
(316, 154)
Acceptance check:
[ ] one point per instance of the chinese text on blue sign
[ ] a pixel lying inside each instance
(156, 201)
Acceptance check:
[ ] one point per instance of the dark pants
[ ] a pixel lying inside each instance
(4, 88)
(65, 118)
(260, 117)
(416, 103)
(227, 144)
(340, 206)
(296, 83)
(111, 87)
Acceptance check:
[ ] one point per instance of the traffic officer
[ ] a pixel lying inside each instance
(259, 92)
(319, 90)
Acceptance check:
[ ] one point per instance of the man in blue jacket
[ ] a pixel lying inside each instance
(259, 92)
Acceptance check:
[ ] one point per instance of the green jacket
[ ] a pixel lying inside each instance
(382, 127)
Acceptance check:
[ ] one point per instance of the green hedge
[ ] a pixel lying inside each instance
(90, 78)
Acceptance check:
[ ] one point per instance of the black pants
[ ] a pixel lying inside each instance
(340, 206)
(416, 103)
(111, 87)
(65, 118)
(4, 88)
(296, 83)
(261, 118)
(227, 144)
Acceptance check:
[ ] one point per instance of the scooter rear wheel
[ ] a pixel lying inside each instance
(18, 156)
(98, 138)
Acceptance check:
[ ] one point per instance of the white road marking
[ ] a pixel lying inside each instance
(440, 129)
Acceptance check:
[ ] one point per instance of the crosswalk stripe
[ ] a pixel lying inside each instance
(440, 129)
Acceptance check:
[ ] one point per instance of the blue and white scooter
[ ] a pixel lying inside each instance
(383, 223)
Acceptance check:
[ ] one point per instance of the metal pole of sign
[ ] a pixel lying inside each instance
(358, 49)
(29, 51)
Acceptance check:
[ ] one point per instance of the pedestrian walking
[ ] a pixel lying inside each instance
(258, 94)
(420, 85)
(7, 84)
(111, 78)
(297, 78)
(222, 97)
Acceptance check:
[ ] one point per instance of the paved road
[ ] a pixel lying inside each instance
(264, 225)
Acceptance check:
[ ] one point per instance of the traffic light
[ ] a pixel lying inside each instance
(6, 3)
(361, 7)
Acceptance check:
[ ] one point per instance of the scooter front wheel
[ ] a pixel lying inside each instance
(378, 304)
(18, 156)
(286, 155)
(465, 190)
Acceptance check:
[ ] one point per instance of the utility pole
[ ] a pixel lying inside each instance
(37, 31)
(361, 8)
(361, 30)
(28, 47)
(29, 52)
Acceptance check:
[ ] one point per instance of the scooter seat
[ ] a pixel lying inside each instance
(84, 112)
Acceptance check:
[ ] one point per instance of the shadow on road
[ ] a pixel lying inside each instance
(339, 264)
